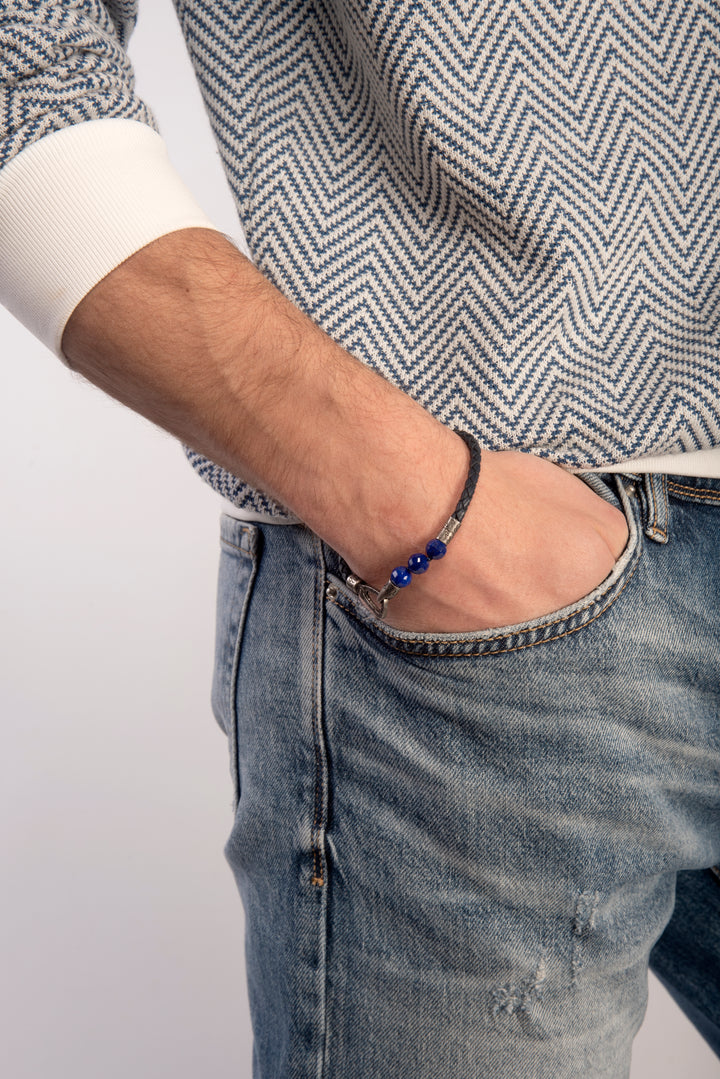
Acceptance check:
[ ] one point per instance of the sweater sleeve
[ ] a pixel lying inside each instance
(85, 179)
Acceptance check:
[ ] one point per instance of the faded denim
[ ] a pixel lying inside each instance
(458, 853)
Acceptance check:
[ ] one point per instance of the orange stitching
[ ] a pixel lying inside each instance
(245, 532)
(708, 492)
(236, 548)
(500, 651)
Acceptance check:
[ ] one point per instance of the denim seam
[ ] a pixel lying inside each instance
(234, 546)
(666, 503)
(319, 880)
(685, 489)
(318, 877)
(485, 651)
(252, 556)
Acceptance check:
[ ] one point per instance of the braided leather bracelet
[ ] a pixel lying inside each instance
(376, 600)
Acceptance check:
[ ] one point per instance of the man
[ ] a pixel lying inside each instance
(455, 852)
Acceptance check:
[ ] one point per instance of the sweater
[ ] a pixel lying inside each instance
(508, 209)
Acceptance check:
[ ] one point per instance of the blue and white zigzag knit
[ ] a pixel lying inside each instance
(509, 208)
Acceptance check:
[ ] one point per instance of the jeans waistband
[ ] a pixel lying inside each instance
(656, 493)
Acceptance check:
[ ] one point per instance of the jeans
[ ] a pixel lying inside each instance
(458, 854)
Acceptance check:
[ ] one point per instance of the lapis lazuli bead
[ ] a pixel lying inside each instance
(400, 577)
(418, 563)
(436, 549)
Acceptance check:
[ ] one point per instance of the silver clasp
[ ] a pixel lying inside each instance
(376, 600)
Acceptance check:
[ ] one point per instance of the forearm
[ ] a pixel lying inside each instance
(190, 335)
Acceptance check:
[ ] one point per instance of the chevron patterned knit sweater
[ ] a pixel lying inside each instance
(509, 208)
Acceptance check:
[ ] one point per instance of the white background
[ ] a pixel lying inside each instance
(121, 931)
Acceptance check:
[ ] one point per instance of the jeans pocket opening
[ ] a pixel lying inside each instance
(539, 630)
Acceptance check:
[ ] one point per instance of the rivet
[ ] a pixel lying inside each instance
(331, 592)
(631, 490)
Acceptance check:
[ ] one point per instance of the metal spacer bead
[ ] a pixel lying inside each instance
(448, 530)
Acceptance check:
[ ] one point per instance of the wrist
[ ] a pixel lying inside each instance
(419, 562)
(414, 508)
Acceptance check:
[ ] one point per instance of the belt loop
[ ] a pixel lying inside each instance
(656, 510)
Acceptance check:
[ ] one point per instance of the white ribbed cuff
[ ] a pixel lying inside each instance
(76, 204)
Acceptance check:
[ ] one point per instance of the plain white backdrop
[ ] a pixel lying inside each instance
(121, 929)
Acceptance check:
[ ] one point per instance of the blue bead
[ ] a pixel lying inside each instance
(418, 563)
(400, 577)
(436, 549)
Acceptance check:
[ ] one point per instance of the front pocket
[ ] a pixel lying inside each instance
(501, 639)
(239, 557)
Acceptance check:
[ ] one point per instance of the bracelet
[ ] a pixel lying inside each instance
(376, 599)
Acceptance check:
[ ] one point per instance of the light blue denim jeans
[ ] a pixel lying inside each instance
(458, 853)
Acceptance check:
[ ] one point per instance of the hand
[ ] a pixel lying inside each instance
(534, 539)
